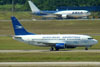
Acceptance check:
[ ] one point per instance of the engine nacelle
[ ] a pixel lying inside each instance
(63, 46)
(60, 46)
(64, 16)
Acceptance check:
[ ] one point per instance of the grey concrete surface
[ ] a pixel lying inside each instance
(41, 64)
(30, 51)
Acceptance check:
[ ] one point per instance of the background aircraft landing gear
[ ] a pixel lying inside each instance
(86, 48)
(52, 49)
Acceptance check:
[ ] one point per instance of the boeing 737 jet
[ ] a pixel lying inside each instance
(55, 41)
(59, 14)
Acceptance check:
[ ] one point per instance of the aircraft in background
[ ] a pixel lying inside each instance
(59, 14)
(55, 41)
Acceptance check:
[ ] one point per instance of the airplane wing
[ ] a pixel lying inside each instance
(49, 43)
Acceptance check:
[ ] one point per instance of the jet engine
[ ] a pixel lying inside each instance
(64, 16)
(60, 46)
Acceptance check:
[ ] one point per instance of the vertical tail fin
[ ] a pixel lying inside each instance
(18, 28)
(33, 7)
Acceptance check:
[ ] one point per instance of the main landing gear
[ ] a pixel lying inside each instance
(52, 49)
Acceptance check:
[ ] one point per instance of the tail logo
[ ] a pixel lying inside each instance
(18, 27)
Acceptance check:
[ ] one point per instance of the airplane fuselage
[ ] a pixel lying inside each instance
(64, 14)
(49, 40)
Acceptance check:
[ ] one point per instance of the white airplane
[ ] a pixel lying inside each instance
(57, 41)
(59, 14)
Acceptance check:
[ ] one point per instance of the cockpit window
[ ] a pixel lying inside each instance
(18, 38)
(90, 38)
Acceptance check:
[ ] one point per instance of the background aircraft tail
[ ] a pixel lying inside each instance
(18, 28)
(33, 7)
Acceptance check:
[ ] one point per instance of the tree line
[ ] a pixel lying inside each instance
(51, 4)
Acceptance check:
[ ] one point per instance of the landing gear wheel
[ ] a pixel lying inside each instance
(57, 49)
(51, 49)
(86, 48)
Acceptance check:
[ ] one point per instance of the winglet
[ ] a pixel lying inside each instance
(18, 28)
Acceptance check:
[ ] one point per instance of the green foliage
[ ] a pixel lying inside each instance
(52, 4)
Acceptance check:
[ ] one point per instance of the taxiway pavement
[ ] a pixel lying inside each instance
(30, 51)
(50, 64)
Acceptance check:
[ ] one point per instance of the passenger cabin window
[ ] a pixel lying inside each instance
(90, 38)
(77, 13)
(81, 12)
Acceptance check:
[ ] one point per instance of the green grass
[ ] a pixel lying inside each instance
(50, 56)
(7, 43)
(55, 27)
(42, 65)
(54, 66)
(47, 27)
(5, 15)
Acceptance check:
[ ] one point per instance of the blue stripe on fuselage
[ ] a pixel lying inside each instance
(49, 12)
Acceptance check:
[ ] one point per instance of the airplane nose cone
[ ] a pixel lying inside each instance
(89, 13)
(95, 41)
